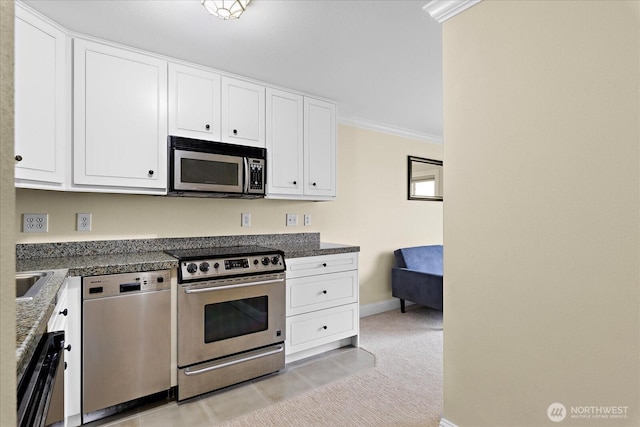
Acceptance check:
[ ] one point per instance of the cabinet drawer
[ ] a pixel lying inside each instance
(313, 293)
(320, 327)
(308, 266)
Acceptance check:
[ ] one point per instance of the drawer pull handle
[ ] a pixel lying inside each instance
(68, 347)
(324, 327)
(324, 264)
(324, 292)
(64, 312)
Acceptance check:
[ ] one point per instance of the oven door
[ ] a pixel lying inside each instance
(199, 171)
(223, 317)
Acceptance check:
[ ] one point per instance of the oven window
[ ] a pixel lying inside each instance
(235, 318)
(196, 171)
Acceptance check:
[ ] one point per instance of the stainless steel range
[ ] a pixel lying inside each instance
(231, 316)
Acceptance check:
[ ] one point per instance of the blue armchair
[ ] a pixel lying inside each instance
(417, 276)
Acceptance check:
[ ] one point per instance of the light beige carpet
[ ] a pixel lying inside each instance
(403, 389)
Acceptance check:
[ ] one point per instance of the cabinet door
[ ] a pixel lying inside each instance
(319, 148)
(73, 357)
(285, 133)
(194, 103)
(40, 102)
(120, 118)
(243, 113)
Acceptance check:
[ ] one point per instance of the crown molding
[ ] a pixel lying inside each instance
(392, 130)
(441, 10)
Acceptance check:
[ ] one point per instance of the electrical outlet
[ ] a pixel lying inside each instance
(307, 220)
(292, 220)
(83, 222)
(246, 220)
(35, 223)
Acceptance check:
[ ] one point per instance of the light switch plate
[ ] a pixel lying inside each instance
(246, 220)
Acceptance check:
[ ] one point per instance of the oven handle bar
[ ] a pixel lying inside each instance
(240, 285)
(277, 350)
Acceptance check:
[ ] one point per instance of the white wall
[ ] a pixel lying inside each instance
(542, 218)
(371, 210)
(7, 228)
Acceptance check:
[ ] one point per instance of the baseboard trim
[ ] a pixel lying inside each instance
(381, 307)
(445, 423)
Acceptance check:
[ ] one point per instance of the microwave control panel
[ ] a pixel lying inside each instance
(256, 174)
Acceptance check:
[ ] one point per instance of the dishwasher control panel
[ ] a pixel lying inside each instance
(126, 283)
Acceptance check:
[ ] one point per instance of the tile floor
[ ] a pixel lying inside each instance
(231, 402)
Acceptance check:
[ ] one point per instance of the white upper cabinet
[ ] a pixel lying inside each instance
(120, 119)
(301, 147)
(40, 102)
(285, 150)
(319, 148)
(194, 103)
(243, 113)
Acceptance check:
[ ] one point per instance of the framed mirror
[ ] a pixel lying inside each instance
(425, 179)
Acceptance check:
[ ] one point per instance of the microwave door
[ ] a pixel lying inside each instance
(197, 171)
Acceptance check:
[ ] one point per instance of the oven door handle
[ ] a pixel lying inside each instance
(277, 350)
(240, 285)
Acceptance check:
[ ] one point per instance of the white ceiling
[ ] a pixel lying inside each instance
(380, 60)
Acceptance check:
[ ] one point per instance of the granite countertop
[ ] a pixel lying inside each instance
(299, 250)
(32, 317)
(110, 257)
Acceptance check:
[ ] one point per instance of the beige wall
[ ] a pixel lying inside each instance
(371, 210)
(542, 211)
(7, 228)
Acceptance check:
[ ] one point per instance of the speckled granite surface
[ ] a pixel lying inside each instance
(92, 258)
(299, 250)
(99, 247)
(32, 317)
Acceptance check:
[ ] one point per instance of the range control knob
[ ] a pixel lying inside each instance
(255, 261)
(204, 267)
(275, 259)
(192, 267)
(216, 265)
(265, 260)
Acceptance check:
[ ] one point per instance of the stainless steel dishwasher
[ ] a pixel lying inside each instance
(126, 337)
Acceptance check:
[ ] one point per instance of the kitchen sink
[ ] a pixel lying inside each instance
(29, 284)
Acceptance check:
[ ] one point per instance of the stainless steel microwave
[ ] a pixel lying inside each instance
(214, 169)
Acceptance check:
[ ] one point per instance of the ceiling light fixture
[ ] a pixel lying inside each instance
(226, 9)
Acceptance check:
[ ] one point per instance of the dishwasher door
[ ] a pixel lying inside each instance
(126, 347)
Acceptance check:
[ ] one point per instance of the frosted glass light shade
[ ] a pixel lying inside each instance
(226, 9)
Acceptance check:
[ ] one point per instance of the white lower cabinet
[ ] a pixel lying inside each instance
(322, 304)
(66, 317)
